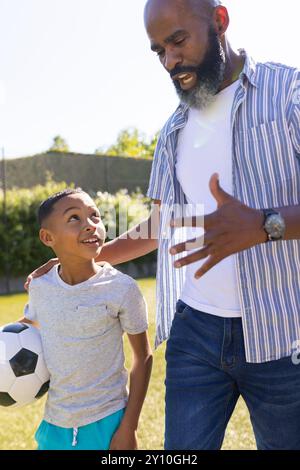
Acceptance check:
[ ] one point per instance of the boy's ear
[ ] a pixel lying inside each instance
(46, 237)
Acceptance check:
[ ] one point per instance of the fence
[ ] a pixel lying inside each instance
(90, 172)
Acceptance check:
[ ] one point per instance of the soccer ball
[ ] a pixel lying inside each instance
(24, 377)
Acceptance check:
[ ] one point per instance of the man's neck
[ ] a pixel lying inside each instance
(234, 66)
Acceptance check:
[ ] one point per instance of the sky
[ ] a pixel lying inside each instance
(83, 69)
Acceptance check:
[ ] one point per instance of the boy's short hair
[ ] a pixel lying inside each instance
(46, 206)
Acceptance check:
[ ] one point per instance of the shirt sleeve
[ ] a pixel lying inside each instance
(294, 112)
(133, 313)
(157, 171)
(29, 309)
(29, 312)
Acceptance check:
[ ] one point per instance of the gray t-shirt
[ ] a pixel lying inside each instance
(81, 329)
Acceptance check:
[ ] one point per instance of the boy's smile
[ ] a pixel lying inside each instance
(74, 228)
(95, 240)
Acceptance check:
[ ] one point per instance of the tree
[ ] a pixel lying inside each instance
(131, 143)
(59, 145)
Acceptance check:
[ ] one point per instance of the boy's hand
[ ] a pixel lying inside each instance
(40, 271)
(124, 439)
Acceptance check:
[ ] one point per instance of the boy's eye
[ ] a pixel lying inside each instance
(74, 217)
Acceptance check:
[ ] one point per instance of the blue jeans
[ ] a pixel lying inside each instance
(206, 374)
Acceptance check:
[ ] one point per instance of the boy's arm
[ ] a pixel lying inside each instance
(125, 436)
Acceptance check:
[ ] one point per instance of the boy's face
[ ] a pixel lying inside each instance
(74, 228)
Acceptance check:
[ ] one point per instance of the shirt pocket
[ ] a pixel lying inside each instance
(264, 130)
(268, 163)
(92, 320)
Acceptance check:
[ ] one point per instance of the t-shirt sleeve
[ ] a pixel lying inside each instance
(133, 312)
(29, 309)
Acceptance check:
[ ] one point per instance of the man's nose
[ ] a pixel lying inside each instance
(172, 59)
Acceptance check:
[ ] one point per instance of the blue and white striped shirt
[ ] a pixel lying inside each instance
(265, 123)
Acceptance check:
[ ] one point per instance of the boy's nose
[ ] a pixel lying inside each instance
(90, 226)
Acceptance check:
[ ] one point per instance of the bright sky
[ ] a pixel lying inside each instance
(83, 68)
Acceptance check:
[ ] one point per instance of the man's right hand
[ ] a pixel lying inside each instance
(40, 271)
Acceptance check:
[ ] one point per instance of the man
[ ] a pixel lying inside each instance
(237, 321)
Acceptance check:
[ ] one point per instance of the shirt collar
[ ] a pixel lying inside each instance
(179, 117)
(249, 70)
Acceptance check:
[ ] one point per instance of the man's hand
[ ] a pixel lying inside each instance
(40, 271)
(232, 228)
(124, 439)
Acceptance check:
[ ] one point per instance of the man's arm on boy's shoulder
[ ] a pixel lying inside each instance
(138, 241)
(125, 437)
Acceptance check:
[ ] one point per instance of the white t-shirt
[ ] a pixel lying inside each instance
(205, 147)
(81, 331)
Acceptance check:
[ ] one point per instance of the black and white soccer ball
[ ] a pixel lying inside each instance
(24, 377)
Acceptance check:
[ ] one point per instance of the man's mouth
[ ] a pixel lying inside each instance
(186, 80)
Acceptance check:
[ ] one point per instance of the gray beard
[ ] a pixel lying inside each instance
(205, 92)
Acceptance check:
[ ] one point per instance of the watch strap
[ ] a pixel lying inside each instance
(268, 212)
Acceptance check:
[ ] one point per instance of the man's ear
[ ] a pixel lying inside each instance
(46, 237)
(221, 20)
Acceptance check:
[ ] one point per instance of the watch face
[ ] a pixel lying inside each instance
(275, 226)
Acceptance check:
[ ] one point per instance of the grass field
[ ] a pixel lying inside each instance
(18, 426)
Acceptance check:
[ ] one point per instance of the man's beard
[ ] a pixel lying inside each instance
(210, 74)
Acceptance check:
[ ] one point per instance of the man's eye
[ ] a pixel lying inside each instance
(180, 41)
(160, 53)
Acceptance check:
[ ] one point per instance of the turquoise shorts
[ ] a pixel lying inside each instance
(94, 436)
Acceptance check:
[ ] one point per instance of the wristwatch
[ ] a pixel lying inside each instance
(274, 225)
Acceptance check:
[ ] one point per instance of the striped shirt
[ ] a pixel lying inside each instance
(265, 126)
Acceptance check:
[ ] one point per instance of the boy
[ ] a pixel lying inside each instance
(83, 309)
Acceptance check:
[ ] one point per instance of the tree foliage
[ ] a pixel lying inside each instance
(131, 143)
(59, 144)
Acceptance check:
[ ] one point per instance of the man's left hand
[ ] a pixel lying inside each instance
(232, 228)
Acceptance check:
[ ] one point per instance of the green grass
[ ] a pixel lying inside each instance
(18, 426)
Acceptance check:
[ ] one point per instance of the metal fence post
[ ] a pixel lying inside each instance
(5, 247)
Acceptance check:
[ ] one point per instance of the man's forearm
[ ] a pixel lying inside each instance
(291, 215)
(139, 241)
